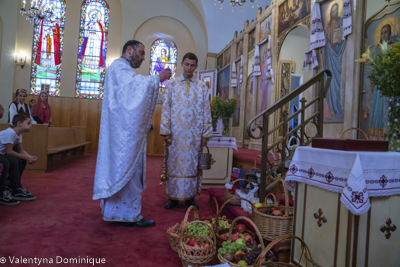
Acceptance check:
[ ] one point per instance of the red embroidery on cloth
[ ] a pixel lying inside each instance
(329, 177)
(383, 181)
(311, 172)
(357, 197)
(293, 169)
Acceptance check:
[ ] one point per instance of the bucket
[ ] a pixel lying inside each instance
(205, 160)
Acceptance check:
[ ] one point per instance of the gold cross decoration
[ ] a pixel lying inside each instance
(321, 219)
(388, 228)
(213, 161)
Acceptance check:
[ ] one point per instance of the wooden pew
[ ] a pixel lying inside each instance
(62, 140)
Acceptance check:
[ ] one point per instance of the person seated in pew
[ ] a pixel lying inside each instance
(19, 106)
(31, 103)
(41, 111)
(14, 161)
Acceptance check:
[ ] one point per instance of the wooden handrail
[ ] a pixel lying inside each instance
(281, 144)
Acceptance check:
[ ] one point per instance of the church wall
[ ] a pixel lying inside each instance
(1, 36)
(135, 15)
(7, 67)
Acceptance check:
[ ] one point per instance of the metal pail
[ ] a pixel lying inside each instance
(205, 160)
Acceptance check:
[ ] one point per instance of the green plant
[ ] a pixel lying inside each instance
(384, 73)
(221, 108)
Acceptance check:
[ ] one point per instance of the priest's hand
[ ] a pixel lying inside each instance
(165, 74)
(204, 141)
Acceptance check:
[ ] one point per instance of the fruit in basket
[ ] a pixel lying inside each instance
(176, 228)
(277, 212)
(237, 257)
(198, 229)
(191, 242)
(235, 237)
(229, 257)
(242, 263)
(240, 228)
(240, 241)
(273, 208)
(251, 243)
(224, 236)
(258, 205)
(247, 236)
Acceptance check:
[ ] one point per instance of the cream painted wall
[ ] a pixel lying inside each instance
(8, 11)
(24, 39)
(373, 6)
(170, 29)
(294, 47)
(1, 35)
(134, 15)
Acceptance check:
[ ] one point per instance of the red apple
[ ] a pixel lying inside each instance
(235, 237)
(196, 245)
(206, 245)
(191, 242)
(247, 237)
(224, 236)
(240, 228)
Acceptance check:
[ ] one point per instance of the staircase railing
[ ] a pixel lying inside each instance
(280, 134)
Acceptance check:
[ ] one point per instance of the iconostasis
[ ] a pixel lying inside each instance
(278, 43)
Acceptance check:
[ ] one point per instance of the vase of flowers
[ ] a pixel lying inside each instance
(223, 109)
(384, 73)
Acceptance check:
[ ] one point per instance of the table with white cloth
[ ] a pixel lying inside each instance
(221, 149)
(347, 206)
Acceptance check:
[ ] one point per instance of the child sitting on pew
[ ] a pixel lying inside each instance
(14, 161)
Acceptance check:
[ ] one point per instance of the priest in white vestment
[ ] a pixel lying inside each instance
(128, 105)
(186, 120)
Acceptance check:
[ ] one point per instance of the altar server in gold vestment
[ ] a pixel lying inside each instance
(186, 120)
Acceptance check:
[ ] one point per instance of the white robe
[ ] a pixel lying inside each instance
(186, 116)
(128, 105)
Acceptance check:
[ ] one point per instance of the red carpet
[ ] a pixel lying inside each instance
(64, 222)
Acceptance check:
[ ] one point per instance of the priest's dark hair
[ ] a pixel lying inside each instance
(131, 43)
(190, 56)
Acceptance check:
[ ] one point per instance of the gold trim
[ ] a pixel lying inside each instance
(208, 136)
(180, 199)
(208, 122)
(173, 177)
(165, 134)
(165, 120)
(380, 14)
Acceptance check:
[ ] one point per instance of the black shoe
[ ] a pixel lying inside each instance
(171, 204)
(7, 200)
(191, 202)
(143, 223)
(22, 194)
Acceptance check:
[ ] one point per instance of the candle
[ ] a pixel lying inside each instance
(23, 6)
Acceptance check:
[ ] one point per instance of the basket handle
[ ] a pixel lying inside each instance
(304, 250)
(216, 207)
(233, 182)
(354, 128)
(195, 216)
(226, 203)
(273, 196)
(276, 202)
(233, 224)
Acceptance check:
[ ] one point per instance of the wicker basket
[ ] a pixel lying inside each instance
(272, 227)
(305, 251)
(221, 259)
(222, 231)
(174, 238)
(196, 257)
(228, 196)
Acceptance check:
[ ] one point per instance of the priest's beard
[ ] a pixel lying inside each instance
(135, 61)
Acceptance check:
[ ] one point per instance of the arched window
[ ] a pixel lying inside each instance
(93, 35)
(48, 39)
(163, 56)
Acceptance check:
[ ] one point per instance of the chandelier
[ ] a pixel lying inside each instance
(36, 12)
(236, 2)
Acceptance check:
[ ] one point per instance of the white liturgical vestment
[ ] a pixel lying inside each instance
(128, 105)
(186, 116)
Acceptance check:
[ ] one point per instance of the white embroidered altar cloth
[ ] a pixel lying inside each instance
(356, 175)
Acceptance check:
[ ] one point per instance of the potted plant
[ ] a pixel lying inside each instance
(223, 109)
(384, 73)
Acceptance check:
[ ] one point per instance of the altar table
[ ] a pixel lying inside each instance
(347, 206)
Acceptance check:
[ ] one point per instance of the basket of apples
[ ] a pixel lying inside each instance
(274, 220)
(196, 248)
(222, 229)
(242, 251)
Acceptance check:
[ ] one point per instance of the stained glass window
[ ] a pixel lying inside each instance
(163, 56)
(93, 35)
(48, 39)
